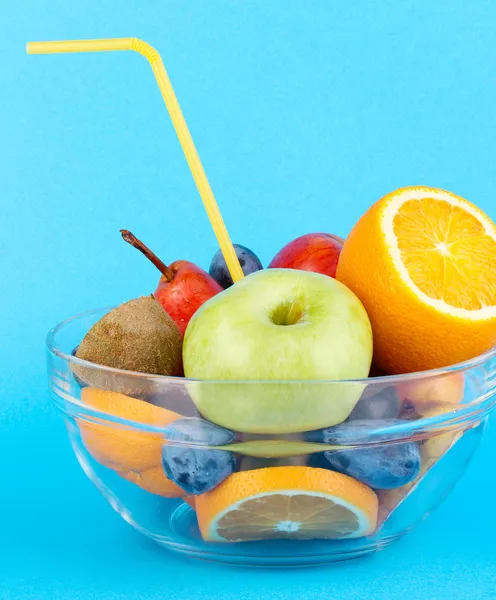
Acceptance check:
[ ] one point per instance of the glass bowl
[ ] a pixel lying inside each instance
(271, 494)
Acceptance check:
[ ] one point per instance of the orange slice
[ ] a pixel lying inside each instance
(423, 263)
(191, 501)
(286, 502)
(134, 454)
(155, 481)
(434, 395)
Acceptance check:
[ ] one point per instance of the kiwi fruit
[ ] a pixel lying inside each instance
(139, 336)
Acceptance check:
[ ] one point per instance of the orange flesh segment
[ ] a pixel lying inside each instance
(446, 251)
(297, 516)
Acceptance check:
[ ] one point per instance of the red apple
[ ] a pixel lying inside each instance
(188, 289)
(183, 286)
(317, 252)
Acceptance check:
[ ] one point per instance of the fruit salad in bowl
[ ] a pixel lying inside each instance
(314, 411)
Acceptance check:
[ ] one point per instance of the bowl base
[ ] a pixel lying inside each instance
(273, 554)
(272, 562)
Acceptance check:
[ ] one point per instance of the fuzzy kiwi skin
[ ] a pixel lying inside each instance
(138, 335)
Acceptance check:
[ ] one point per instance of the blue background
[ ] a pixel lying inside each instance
(304, 113)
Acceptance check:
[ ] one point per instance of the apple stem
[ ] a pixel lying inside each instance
(130, 238)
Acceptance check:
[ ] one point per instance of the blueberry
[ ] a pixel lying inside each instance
(199, 431)
(357, 431)
(409, 411)
(377, 404)
(197, 470)
(248, 260)
(380, 467)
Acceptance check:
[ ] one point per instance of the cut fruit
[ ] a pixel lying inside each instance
(118, 447)
(297, 503)
(423, 263)
(434, 395)
(154, 480)
(134, 454)
(191, 501)
(431, 451)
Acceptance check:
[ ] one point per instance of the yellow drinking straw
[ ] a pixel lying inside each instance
(178, 121)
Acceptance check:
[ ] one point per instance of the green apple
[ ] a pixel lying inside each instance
(267, 345)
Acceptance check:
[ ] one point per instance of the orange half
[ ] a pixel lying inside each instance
(423, 263)
(286, 502)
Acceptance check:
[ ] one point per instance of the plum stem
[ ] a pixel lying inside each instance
(130, 238)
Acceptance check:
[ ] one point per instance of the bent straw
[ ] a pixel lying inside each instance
(182, 131)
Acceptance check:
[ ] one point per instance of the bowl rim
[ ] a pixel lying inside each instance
(466, 414)
(476, 361)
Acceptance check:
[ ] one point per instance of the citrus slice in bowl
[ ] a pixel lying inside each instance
(153, 480)
(423, 263)
(286, 502)
(118, 447)
(136, 455)
(431, 396)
